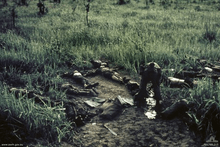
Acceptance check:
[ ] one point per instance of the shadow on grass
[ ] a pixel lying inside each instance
(12, 129)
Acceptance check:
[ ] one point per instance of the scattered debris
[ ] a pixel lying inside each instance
(208, 69)
(111, 109)
(176, 110)
(103, 69)
(110, 129)
(126, 102)
(216, 68)
(184, 73)
(132, 86)
(72, 90)
(77, 113)
(96, 63)
(94, 102)
(79, 78)
(110, 74)
(175, 82)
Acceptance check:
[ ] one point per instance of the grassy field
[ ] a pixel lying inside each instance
(39, 47)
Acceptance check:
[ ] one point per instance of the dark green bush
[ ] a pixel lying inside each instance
(210, 35)
(121, 2)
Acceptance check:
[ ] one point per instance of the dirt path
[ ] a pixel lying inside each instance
(132, 128)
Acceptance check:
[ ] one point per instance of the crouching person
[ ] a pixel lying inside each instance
(149, 74)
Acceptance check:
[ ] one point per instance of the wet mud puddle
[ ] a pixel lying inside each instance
(149, 112)
(151, 103)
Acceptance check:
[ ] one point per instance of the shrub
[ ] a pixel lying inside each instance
(165, 3)
(197, 8)
(210, 34)
(121, 2)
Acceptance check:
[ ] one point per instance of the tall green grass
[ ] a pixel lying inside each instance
(118, 32)
(36, 122)
(206, 107)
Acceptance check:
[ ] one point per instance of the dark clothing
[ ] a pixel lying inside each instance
(152, 73)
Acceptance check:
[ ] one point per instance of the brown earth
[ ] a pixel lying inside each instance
(131, 128)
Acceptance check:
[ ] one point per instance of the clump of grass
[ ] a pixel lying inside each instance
(198, 8)
(28, 121)
(121, 2)
(210, 33)
(166, 4)
(206, 110)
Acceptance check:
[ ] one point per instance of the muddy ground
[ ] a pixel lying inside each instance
(131, 127)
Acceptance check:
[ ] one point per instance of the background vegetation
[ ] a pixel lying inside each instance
(38, 48)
